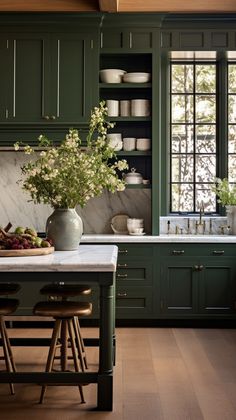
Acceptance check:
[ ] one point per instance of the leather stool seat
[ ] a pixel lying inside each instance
(9, 288)
(8, 306)
(63, 309)
(65, 290)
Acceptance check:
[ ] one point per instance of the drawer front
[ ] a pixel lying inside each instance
(134, 273)
(134, 303)
(211, 250)
(136, 250)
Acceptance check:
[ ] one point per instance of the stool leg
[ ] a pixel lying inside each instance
(73, 348)
(64, 344)
(78, 342)
(82, 343)
(6, 351)
(51, 354)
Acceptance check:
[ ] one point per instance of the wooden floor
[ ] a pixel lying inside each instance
(161, 373)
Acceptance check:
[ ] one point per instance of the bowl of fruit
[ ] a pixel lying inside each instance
(23, 242)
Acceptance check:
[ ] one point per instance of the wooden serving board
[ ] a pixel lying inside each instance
(26, 252)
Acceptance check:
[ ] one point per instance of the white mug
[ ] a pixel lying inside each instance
(140, 107)
(129, 143)
(112, 107)
(125, 108)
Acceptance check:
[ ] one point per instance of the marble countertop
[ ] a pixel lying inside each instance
(96, 258)
(159, 239)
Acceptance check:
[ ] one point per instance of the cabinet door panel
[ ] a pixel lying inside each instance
(178, 287)
(217, 291)
(71, 68)
(28, 70)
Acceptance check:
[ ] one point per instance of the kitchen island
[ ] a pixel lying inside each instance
(89, 264)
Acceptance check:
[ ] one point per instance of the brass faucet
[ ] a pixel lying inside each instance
(201, 222)
(201, 213)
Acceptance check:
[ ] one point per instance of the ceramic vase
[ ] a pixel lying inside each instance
(65, 228)
(231, 218)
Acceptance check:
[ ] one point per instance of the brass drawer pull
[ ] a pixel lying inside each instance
(123, 294)
(200, 268)
(123, 251)
(178, 252)
(122, 265)
(122, 276)
(221, 252)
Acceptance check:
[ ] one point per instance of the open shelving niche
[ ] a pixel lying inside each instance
(138, 127)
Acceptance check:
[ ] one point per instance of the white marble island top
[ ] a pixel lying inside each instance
(164, 238)
(96, 258)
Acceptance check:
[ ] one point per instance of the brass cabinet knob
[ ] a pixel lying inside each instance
(46, 117)
(200, 268)
(53, 117)
(196, 267)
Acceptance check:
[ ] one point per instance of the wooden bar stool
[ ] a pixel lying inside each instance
(7, 307)
(63, 312)
(64, 292)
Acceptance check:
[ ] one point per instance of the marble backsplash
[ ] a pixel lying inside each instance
(16, 207)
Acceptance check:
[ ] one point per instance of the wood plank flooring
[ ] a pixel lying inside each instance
(161, 373)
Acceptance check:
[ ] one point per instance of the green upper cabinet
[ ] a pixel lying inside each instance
(47, 78)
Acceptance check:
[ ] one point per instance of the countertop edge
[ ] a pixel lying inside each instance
(110, 238)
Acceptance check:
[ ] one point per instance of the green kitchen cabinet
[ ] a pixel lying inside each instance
(47, 78)
(217, 291)
(198, 280)
(179, 286)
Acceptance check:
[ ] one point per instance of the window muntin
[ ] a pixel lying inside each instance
(193, 136)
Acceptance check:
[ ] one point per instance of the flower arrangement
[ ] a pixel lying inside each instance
(70, 174)
(225, 191)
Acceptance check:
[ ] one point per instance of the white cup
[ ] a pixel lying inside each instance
(140, 107)
(112, 107)
(125, 108)
(134, 224)
(129, 143)
(138, 230)
(143, 144)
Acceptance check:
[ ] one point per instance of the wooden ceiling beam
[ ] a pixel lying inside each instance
(178, 6)
(49, 6)
(109, 5)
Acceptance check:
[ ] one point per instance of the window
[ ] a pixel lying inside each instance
(193, 132)
(232, 122)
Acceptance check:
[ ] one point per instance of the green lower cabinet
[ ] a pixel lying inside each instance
(217, 294)
(200, 286)
(178, 287)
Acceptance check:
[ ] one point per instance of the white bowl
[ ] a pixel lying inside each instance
(137, 77)
(111, 75)
(143, 144)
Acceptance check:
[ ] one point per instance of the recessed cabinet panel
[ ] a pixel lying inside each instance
(71, 68)
(140, 39)
(26, 94)
(134, 303)
(111, 39)
(178, 287)
(217, 290)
